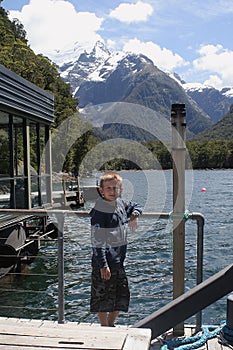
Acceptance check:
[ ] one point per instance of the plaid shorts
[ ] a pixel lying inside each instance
(109, 295)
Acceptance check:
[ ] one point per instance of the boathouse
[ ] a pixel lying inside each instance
(26, 113)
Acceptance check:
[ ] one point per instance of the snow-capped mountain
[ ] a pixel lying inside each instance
(214, 102)
(101, 76)
(86, 67)
(95, 66)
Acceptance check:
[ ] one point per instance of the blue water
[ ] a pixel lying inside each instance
(149, 259)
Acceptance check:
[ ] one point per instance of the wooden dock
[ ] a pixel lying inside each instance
(24, 334)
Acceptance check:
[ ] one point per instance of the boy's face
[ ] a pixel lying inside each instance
(111, 190)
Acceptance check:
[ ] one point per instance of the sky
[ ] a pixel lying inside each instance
(190, 37)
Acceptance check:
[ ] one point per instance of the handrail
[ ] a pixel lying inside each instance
(60, 215)
(194, 300)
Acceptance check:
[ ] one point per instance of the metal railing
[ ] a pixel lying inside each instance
(60, 216)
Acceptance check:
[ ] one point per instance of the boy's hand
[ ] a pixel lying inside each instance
(105, 273)
(133, 223)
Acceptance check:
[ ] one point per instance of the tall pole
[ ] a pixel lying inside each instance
(178, 122)
(61, 286)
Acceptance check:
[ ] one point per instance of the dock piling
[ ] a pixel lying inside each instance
(229, 322)
(178, 122)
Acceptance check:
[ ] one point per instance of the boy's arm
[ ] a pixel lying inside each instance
(133, 210)
(98, 238)
(133, 223)
(100, 255)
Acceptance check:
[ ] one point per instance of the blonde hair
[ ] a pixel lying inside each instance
(110, 175)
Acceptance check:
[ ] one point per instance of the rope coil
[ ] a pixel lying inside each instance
(209, 332)
(193, 342)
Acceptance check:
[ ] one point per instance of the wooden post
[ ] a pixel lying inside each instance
(64, 189)
(48, 164)
(80, 199)
(27, 171)
(61, 306)
(229, 322)
(178, 122)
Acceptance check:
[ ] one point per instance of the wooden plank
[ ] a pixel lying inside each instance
(42, 324)
(213, 344)
(59, 340)
(9, 347)
(135, 341)
(59, 333)
(39, 335)
(114, 342)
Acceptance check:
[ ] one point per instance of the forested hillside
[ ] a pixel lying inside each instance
(222, 130)
(16, 55)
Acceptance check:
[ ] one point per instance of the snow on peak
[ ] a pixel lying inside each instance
(71, 55)
(100, 50)
(196, 87)
(98, 63)
(106, 67)
(199, 87)
(228, 92)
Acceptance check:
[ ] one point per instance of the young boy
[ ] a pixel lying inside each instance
(109, 219)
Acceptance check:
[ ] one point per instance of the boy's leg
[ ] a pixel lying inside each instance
(107, 319)
(112, 317)
(103, 318)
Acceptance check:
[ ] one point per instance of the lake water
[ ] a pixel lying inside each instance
(149, 259)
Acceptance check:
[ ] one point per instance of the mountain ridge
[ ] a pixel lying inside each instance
(222, 130)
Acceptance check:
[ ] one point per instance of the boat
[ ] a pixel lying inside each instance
(82, 193)
(88, 192)
(26, 114)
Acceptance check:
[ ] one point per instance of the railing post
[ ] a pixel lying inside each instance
(178, 122)
(227, 330)
(200, 248)
(230, 312)
(61, 307)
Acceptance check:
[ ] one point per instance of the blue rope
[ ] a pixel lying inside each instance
(193, 342)
(186, 215)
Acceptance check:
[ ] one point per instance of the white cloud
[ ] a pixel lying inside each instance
(215, 81)
(129, 13)
(163, 58)
(111, 44)
(217, 61)
(55, 25)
